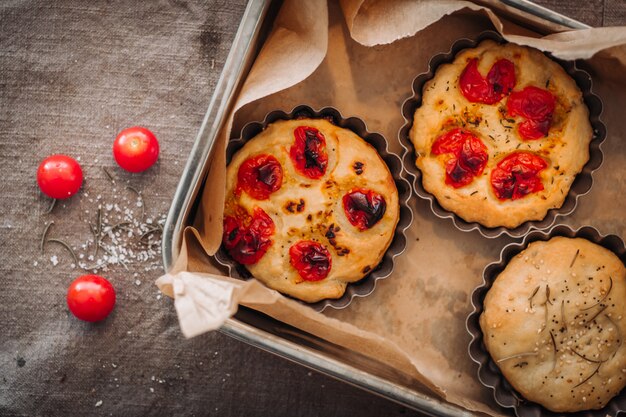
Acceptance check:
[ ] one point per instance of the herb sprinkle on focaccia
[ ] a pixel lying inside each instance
(554, 322)
(500, 135)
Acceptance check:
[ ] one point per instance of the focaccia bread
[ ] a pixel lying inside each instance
(500, 135)
(554, 322)
(310, 207)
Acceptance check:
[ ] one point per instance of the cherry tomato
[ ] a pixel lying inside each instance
(517, 175)
(136, 149)
(91, 298)
(499, 82)
(308, 152)
(364, 208)
(311, 259)
(468, 156)
(59, 176)
(247, 238)
(537, 106)
(260, 176)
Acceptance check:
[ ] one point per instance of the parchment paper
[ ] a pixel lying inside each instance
(361, 57)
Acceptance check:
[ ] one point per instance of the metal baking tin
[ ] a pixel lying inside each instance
(582, 183)
(488, 372)
(257, 329)
(365, 286)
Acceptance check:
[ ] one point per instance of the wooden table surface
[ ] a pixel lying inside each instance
(72, 75)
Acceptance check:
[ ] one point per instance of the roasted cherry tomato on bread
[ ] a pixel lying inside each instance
(59, 176)
(308, 152)
(136, 149)
(311, 259)
(364, 208)
(260, 176)
(489, 90)
(91, 298)
(247, 238)
(537, 106)
(467, 156)
(517, 175)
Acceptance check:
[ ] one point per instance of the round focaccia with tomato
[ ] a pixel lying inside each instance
(310, 207)
(500, 135)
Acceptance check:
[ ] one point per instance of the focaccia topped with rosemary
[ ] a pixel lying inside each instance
(554, 322)
(310, 207)
(500, 135)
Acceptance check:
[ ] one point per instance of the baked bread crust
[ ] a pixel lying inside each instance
(554, 322)
(306, 209)
(444, 107)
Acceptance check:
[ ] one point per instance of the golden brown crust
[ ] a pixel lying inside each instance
(354, 253)
(554, 322)
(566, 149)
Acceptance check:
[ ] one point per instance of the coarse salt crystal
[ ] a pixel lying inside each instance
(137, 282)
(99, 403)
(54, 260)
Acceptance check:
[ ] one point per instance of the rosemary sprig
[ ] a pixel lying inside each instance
(556, 349)
(97, 232)
(147, 233)
(109, 175)
(519, 355)
(93, 267)
(104, 248)
(120, 225)
(590, 376)
(49, 210)
(68, 247)
(530, 299)
(43, 236)
(575, 257)
(548, 295)
(596, 315)
(143, 205)
(603, 298)
(584, 357)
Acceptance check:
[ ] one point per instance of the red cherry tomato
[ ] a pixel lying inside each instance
(59, 176)
(311, 259)
(260, 176)
(499, 82)
(247, 238)
(308, 152)
(364, 208)
(517, 175)
(91, 298)
(136, 149)
(468, 156)
(537, 106)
